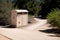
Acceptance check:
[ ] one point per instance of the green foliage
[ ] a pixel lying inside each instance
(47, 6)
(5, 8)
(34, 7)
(21, 3)
(54, 18)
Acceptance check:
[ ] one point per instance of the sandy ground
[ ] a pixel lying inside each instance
(20, 34)
(29, 33)
(2, 37)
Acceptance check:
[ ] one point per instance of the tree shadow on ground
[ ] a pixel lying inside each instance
(57, 35)
(10, 26)
(52, 31)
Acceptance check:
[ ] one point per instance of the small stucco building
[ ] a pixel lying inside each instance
(19, 18)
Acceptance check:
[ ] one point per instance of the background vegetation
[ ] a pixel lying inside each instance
(35, 7)
(5, 8)
(54, 18)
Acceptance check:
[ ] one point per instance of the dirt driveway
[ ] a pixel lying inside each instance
(28, 33)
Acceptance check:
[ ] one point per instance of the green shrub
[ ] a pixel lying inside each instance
(54, 18)
(5, 8)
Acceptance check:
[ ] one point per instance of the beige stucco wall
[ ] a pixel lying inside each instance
(13, 18)
(19, 19)
(22, 20)
(25, 19)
